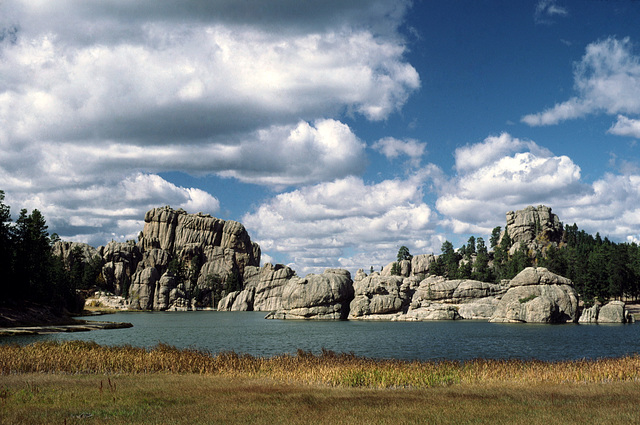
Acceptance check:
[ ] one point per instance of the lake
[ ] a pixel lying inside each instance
(250, 333)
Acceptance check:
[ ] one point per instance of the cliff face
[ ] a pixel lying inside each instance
(535, 227)
(181, 261)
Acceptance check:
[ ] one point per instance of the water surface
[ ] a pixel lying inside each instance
(249, 332)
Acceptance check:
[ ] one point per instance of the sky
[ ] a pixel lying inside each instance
(335, 131)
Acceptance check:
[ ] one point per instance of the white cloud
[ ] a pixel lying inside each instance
(94, 94)
(346, 223)
(475, 156)
(114, 208)
(607, 80)
(547, 10)
(511, 174)
(625, 126)
(392, 148)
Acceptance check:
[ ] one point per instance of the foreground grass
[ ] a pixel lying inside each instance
(79, 382)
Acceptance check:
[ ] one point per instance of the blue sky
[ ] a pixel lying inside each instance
(334, 131)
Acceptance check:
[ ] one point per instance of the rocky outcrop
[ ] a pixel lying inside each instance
(535, 227)
(467, 299)
(120, 263)
(107, 300)
(536, 295)
(613, 312)
(377, 294)
(269, 285)
(420, 264)
(175, 231)
(325, 296)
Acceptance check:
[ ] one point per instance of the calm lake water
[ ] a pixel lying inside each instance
(249, 332)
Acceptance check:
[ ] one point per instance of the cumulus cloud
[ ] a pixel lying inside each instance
(347, 222)
(96, 212)
(393, 148)
(511, 174)
(93, 93)
(626, 126)
(607, 80)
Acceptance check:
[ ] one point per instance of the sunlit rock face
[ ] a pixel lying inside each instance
(536, 295)
(535, 227)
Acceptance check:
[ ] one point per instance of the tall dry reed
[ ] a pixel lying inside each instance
(76, 357)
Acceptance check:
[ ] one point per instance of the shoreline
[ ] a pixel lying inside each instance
(82, 326)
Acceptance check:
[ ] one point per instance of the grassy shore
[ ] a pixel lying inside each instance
(79, 382)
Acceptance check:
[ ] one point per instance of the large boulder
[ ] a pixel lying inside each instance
(536, 295)
(377, 294)
(614, 312)
(430, 311)
(324, 296)
(438, 289)
(238, 300)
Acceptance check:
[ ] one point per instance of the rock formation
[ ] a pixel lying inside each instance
(613, 312)
(263, 289)
(325, 296)
(536, 295)
(377, 294)
(194, 261)
(535, 227)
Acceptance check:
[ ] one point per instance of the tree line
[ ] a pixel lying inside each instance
(599, 268)
(30, 270)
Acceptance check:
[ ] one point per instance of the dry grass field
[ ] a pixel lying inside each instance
(79, 382)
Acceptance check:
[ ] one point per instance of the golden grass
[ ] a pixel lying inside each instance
(326, 368)
(83, 382)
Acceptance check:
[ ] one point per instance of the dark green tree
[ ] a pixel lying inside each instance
(495, 237)
(404, 254)
(471, 246)
(6, 251)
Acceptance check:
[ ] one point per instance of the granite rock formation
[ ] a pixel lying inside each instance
(613, 312)
(536, 295)
(535, 227)
(323, 296)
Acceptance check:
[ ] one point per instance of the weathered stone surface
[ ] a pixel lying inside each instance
(437, 288)
(226, 302)
(420, 263)
(269, 286)
(238, 301)
(173, 231)
(481, 309)
(324, 296)
(613, 312)
(535, 227)
(120, 263)
(534, 302)
(162, 299)
(404, 268)
(538, 276)
(590, 315)
(378, 294)
(141, 292)
(64, 250)
(430, 311)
